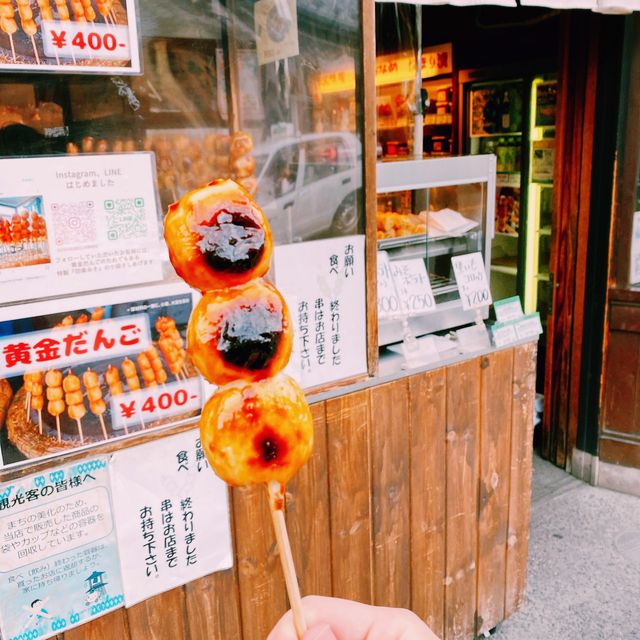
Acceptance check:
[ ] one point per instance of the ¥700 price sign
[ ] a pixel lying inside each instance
(82, 40)
(156, 403)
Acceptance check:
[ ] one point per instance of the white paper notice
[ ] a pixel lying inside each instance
(327, 279)
(388, 300)
(414, 286)
(76, 223)
(471, 277)
(172, 516)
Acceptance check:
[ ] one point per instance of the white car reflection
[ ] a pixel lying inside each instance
(309, 186)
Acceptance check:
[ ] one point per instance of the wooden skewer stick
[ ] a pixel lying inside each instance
(35, 50)
(13, 49)
(103, 426)
(126, 428)
(276, 504)
(114, 17)
(58, 428)
(28, 402)
(80, 430)
(40, 420)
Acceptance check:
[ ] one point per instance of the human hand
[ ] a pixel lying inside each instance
(336, 619)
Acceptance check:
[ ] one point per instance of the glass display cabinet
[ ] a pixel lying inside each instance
(432, 210)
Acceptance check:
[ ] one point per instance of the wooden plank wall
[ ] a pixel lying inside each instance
(417, 496)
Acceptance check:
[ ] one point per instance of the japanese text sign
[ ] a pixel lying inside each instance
(414, 286)
(58, 558)
(388, 300)
(471, 277)
(172, 514)
(94, 38)
(508, 309)
(75, 344)
(77, 223)
(90, 369)
(330, 314)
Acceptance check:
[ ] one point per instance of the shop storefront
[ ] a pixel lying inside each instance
(417, 494)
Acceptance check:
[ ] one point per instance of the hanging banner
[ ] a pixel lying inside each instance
(172, 513)
(58, 557)
(92, 36)
(77, 223)
(81, 371)
(329, 314)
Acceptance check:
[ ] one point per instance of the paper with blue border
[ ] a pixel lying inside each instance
(59, 564)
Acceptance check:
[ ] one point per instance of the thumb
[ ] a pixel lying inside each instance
(319, 632)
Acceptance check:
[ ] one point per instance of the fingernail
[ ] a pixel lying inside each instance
(321, 632)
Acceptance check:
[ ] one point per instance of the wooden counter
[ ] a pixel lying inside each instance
(417, 495)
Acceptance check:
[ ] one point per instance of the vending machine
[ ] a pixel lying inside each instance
(514, 119)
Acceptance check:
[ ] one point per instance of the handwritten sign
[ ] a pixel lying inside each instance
(388, 300)
(471, 277)
(413, 286)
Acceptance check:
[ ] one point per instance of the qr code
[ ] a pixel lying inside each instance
(74, 222)
(126, 218)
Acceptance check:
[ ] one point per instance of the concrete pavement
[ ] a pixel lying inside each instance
(584, 563)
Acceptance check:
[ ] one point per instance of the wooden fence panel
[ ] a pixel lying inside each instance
(159, 618)
(494, 476)
(524, 372)
(113, 626)
(427, 412)
(262, 590)
(463, 399)
(390, 490)
(350, 500)
(308, 514)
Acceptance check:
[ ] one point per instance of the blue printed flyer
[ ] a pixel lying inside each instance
(58, 555)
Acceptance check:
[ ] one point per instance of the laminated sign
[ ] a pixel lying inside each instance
(172, 514)
(58, 557)
(87, 370)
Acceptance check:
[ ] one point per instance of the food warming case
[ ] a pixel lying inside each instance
(434, 210)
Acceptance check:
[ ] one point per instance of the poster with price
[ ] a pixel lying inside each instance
(77, 223)
(327, 304)
(92, 36)
(82, 371)
(471, 277)
(58, 556)
(172, 513)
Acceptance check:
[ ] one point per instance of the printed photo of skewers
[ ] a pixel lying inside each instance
(87, 34)
(56, 406)
(23, 233)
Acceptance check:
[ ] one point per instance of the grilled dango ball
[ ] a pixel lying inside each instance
(240, 332)
(218, 237)
(254, 432)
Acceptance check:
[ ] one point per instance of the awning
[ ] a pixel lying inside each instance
(603, 6)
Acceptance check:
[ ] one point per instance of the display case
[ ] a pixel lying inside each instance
(430, 211)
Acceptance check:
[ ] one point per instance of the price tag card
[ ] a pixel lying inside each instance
(471, 277)
(504, 334)
(508, 309)
(388, 299)
(528, 326)
(413, 286)
(101, 38)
